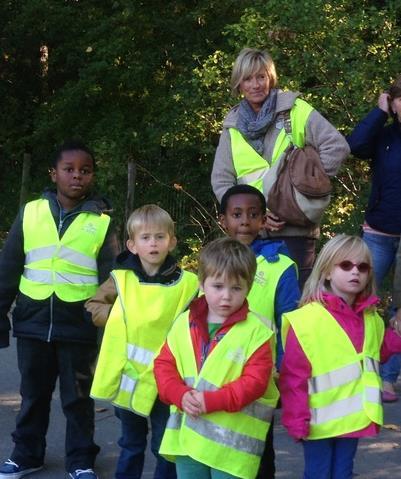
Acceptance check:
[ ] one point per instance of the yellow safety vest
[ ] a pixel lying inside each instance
(65, 266)
(231, 442)
(250, 167)
(135, 331)
(261, 297)
(344, 388)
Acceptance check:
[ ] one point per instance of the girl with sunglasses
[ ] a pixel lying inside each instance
(329, 378)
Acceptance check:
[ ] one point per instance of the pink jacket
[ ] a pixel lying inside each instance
(296, 369)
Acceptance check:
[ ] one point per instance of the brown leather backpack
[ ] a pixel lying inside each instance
(301, 192)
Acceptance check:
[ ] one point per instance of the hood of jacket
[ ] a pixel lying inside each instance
(270, 249)
(168, 272)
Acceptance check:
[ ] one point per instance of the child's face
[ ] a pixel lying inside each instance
(73, 176)
(152, 244)
(346, 279)
(224, 296)
(243, 218)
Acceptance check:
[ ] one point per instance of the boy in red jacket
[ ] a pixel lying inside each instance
(216, 371)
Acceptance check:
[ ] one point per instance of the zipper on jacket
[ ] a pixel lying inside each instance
(51, 319)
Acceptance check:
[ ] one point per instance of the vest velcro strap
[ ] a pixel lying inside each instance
(77, 258)
(333, 379)
(204, 385)
(189, 381)
(252, 177)
(266, 321)
(46, 277)
(174, 421)
(127, 384)
(38, 275)
(72, 278)
(139, 354)
(372, 365)
(256, 409)
(373, 395)
(225, 437)
(39, 254)
(336, 410)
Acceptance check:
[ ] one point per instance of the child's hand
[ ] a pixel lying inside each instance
(190, 404)
(201, 400)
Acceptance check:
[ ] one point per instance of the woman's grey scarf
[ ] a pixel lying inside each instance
(254, 125)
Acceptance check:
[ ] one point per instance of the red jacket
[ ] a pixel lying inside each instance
(296, 368)
(231, 397)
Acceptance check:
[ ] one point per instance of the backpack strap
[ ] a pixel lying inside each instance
(287, 125)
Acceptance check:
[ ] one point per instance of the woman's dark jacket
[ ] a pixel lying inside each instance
(372, 139)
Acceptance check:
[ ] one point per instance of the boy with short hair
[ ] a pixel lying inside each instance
(58, 249)
(138, 304)
(215, 369)
(275, 290)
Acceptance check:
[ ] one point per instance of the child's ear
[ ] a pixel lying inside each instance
(222, 221)
(52, 173)
(264, 216)
(131, 246)
(173, 243)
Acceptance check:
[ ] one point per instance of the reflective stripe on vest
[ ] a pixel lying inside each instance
(65, 266)
(135, 331)
(344, 388)
(140, 355)
(250, 167)
(346, 406)
(221, 435)
(256, 409)
(237, 438)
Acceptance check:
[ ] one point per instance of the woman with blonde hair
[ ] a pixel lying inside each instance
(329, 378)
(253, 140)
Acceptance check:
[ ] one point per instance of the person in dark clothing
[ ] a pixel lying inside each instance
(380, 142)
(58, 250)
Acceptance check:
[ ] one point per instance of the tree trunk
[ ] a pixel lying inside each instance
(129, 206)
(26, 176)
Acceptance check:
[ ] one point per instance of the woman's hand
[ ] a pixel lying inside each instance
(384, 102)
(273, 223)
(395, 322)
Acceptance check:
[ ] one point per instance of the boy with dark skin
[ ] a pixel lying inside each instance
(57, 251)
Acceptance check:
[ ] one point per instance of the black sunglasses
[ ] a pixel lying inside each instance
(347, 265)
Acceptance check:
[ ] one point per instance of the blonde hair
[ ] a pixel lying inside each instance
(229, 258)
(248, 62)
(149, 215)
(339, 248)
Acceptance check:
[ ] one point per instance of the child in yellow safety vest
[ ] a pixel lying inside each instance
(215, 369)
(58, 250)
(138, 304)
(329, 379)
(275, 289)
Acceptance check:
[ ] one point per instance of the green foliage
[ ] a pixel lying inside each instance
(149, 81)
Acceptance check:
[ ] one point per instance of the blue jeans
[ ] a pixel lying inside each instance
(331, 458)
(384, 250)
(134, 431)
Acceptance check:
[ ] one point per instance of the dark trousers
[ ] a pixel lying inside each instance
(267, 468)
(40, 364)
(331, 458)
(303, 252)
(133, 440)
